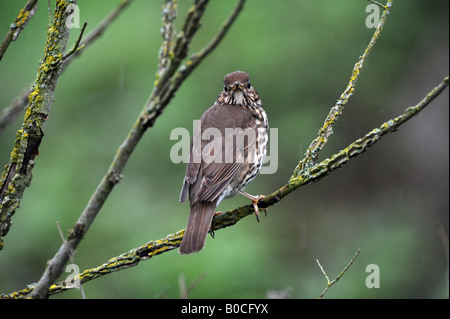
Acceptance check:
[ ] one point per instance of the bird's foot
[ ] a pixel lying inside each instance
(255, 200)
(211, 230)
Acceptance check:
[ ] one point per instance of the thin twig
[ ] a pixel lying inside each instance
(185, 292)
(76, 46)
(331, 283)
(98, 30)
(378, 4)
(195, 283)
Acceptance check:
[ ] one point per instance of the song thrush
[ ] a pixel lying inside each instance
(227, 152)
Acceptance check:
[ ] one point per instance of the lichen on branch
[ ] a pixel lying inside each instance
(17, 174)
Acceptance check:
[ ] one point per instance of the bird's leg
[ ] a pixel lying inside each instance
(211, 230)
(254, 200)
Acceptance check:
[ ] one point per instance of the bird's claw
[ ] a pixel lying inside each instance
(211, 230)
(255, 200)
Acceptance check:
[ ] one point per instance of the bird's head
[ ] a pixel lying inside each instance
(237, 90)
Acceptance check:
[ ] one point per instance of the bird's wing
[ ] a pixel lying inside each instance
(215, 164)
(215, 178)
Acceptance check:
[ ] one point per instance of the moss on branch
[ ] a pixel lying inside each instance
(326, 130)
(17, 26)
(17, 174)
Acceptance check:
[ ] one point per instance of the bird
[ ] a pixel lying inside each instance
(227, 151)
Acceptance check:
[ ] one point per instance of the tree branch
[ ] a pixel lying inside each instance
(197, 58)
(17, 26)
(98, 31)
(326, 130)
(10, 112)
(18, 172)
(318, 171)
(165, 88)
(229, 218)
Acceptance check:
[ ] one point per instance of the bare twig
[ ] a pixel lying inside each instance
(331, 283)
(185, 291)
(98, 30)
(76, 46)
(8, 114)
(378, 4)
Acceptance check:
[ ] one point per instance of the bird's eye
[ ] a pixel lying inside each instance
(225, 88)
(248, 84)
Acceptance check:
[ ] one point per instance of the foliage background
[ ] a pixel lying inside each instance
(390, 202)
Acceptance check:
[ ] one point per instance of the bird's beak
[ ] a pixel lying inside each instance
(237, 86)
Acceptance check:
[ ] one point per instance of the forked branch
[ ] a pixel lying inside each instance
(331, 283)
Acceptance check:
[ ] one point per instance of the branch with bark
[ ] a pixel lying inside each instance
(17, 174)
(18, 25)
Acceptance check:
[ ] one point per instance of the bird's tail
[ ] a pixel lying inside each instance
(199, 223)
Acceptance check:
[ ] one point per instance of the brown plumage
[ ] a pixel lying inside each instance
(228, 149)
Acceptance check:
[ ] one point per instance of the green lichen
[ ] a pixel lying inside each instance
(21, 18)
(28, 138)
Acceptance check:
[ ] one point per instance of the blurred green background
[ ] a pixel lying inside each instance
(392, 202)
